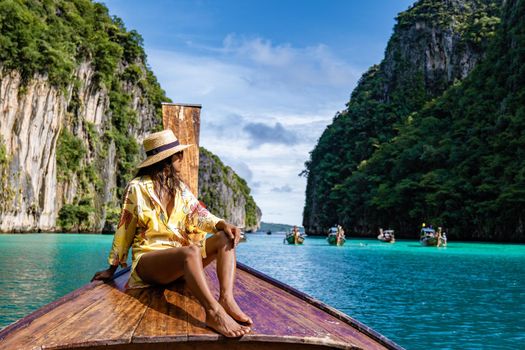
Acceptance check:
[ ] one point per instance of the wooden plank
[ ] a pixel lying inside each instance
(166, 318)
(106, 315)
(292, 318)
(111, 320)
(272, 322)
(271, 308)
(196, 319)
(26, 321)
(218, 345)
(50, 317)
(349, 323)
(275, 313)
(184, 120)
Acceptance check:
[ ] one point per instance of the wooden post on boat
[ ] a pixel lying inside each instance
(184, 121)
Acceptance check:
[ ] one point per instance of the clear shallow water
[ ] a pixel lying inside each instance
(465, 296)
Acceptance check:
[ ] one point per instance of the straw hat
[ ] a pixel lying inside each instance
(160, 145)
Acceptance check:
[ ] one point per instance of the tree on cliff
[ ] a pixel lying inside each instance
(455, 162)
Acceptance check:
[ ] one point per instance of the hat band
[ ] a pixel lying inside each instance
(159, 149)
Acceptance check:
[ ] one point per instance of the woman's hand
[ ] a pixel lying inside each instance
(233, 232)
(104, 275)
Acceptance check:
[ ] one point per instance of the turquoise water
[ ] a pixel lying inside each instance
(464, 296)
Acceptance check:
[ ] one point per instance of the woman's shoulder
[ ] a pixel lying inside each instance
(185, 191)
(136, 181)
(139, 183)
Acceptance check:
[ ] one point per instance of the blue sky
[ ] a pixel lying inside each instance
(270, 76)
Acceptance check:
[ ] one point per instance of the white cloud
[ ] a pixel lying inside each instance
(285, 189)
(260, 133)
(241, 168)
(251, 87)
(260, 51)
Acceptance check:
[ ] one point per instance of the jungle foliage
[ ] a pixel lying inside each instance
(50, 39)
(451, 156)
(209, 191)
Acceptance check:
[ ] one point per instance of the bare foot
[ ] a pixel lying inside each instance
(221, 322)
(231, 307)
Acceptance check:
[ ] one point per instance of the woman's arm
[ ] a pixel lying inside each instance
(124, 235)
(200, 216)
(233, 232)
(105, 275)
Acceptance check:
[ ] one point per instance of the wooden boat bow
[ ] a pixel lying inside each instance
(106, 315)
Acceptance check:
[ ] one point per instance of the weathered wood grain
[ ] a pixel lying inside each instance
(110, 319)
(108, 315)
(184, 120)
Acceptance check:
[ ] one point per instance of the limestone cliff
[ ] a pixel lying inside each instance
(434, 45)
(76, 100)
(226, 194)
(59, 150)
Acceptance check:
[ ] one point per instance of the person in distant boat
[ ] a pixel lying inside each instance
(340, 234)
(296, 233)
(166, 226)
(440, 238)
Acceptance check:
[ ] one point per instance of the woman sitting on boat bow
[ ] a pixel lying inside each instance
(166, 227)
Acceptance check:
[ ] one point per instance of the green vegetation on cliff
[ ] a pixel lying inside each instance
(76, 216)
(52, 38)
(213, 174)
(381, 163)
(70, 152)
(7, 193)
(459, 162)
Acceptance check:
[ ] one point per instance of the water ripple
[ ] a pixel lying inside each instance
(466, 296)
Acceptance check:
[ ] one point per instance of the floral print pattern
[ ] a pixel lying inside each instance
(145, 225)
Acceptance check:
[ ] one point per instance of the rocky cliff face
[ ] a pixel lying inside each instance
(35, 116)
(37, 185)
(225, 194)
(458, 162)
(28, 199)
(434, 44)
(76, 101)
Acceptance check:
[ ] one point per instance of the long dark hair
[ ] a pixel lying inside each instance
(165, 179)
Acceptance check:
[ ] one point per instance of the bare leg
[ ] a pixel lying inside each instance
(187, 262)
(220, 246)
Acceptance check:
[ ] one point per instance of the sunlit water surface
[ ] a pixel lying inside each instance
(464, 296)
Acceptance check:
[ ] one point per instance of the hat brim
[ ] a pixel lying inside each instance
(162, 155)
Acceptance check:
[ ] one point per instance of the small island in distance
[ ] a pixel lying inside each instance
(268, 226)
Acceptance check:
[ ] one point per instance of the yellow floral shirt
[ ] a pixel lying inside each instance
(145, 226)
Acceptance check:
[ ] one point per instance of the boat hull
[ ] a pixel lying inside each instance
(428, 241)
(109, 316)
(386, 239)
(332, 240)
(432, 242)
(291, 239)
